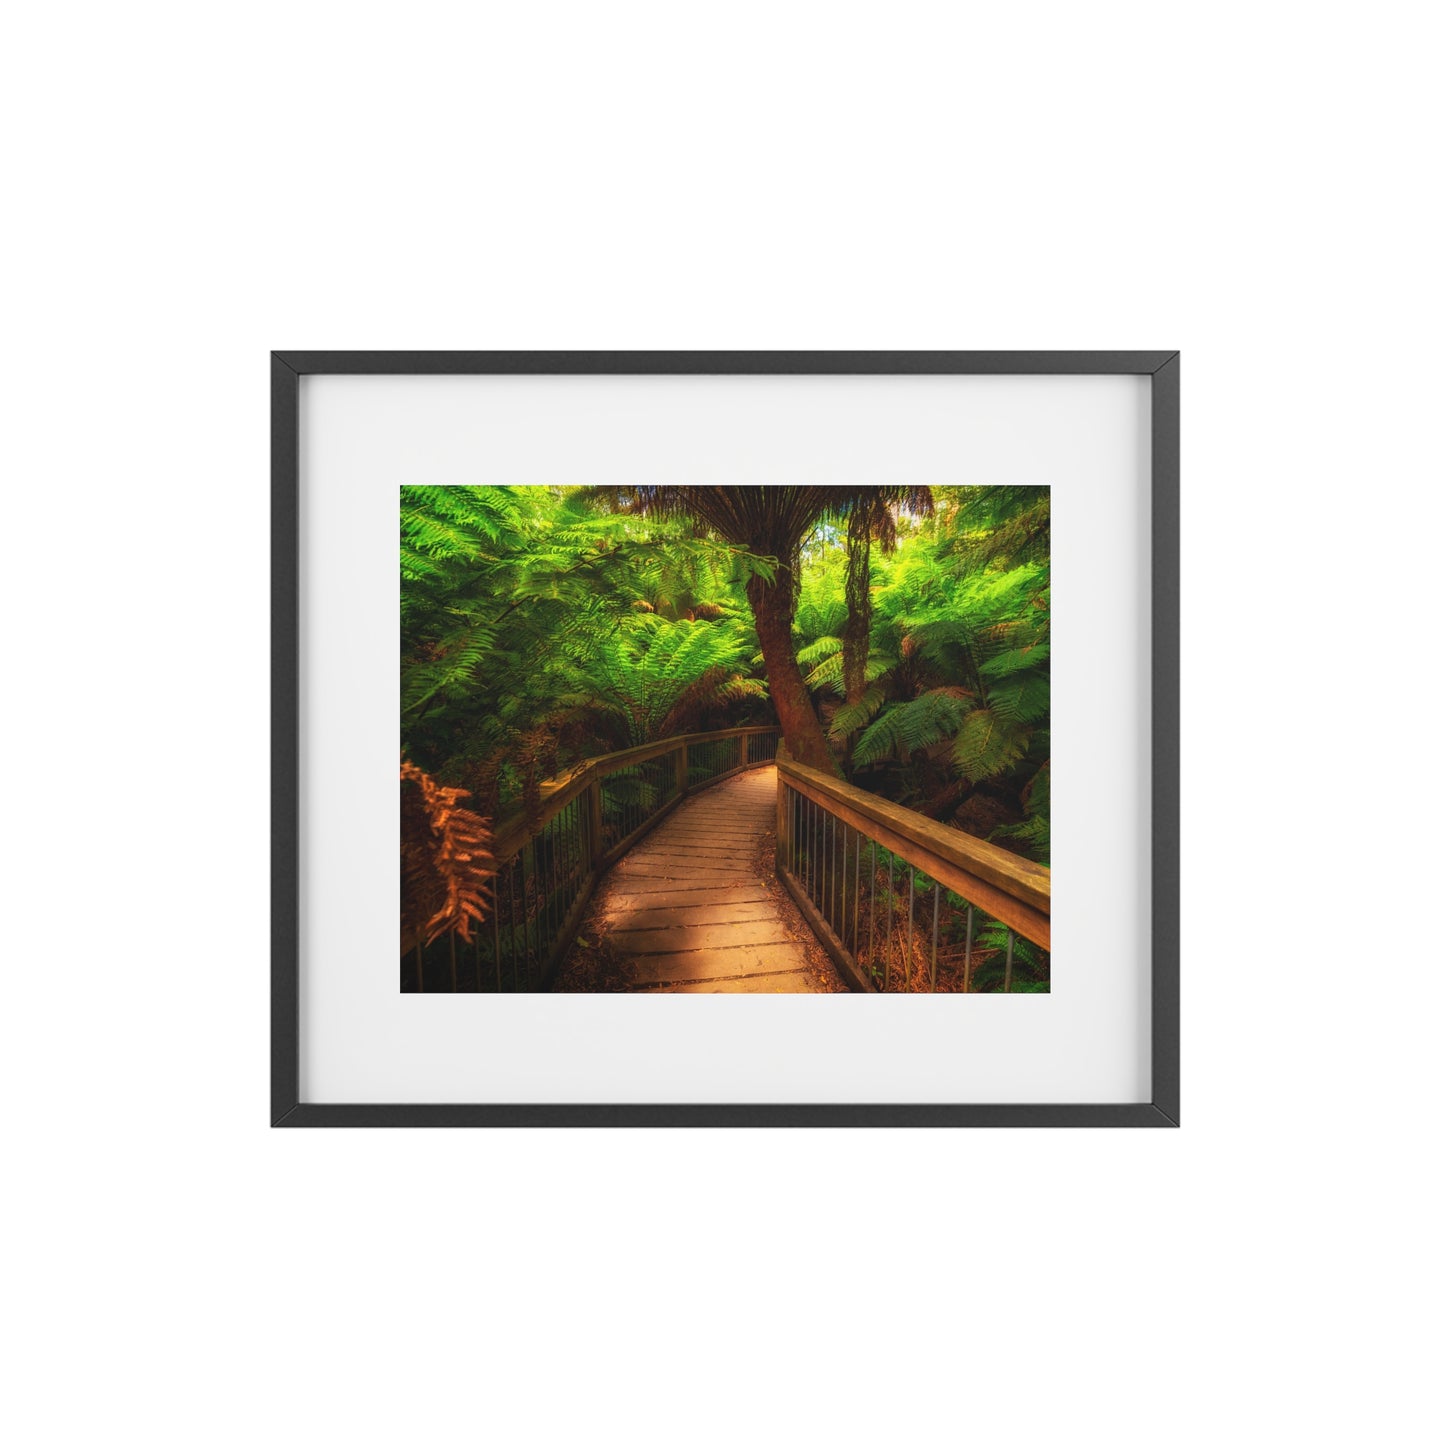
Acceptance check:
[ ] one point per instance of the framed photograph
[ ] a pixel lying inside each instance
(690, 738)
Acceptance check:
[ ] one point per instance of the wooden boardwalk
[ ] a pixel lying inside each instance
(695, 908)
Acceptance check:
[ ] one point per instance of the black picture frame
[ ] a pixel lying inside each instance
(287, 369)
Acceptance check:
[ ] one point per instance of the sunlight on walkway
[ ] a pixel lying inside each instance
(695, 908)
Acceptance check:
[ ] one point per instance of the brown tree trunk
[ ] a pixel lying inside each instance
(773, 617)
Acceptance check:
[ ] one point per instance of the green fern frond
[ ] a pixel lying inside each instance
(854, 715)
(912, 726)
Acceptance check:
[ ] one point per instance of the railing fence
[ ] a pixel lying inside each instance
(902, 903)
(547, 869)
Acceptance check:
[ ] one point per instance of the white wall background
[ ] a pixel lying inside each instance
(188, 188)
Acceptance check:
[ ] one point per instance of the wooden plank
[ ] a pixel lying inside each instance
(1028, 882)
(696, 915)
(719, 963)
(730, 826)
(711, 837)
(725, 830)
(701, 938)
(794, 981)
(659, 867)
(684, 830)
(711, 848)
(660, 857)
(711, 890)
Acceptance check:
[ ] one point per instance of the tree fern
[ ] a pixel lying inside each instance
(912, 726)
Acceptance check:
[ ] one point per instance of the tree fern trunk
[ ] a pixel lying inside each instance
(773, 617)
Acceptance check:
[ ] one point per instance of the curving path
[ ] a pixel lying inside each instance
(695, 908)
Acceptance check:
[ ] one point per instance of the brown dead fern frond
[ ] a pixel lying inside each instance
(446, 860)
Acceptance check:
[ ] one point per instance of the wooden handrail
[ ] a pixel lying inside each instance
(1012, 889)
(556, 793)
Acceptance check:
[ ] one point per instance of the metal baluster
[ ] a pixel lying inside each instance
(968, 953)
(574, 862)
(857, 890)
(826, 879)
(512, 865)
(526, 910)
(559, 869)
(1008, 966)
(813, 852)
(824, 858)
(518, 905)
(559, 912)
(827, 864)
(497, 936)
(908, 955)
(833, 873)
(806, 805)
(873, 890)
(554, 857)
(549, 839)
(543, 859)
(808, 859)
(535, 915)
(888, 926)
(812, 848)
(933, 963)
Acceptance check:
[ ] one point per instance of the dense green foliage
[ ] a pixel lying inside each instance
(954, 714)
(540, 626)
(537, 629)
